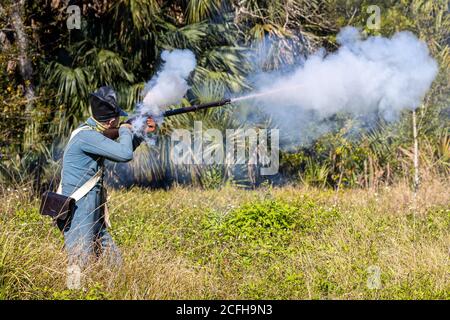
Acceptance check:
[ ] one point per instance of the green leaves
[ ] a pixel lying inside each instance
(141, 13)
(72, 83)
(266, 227)
(120, 45)
(190, 36)
(110, 67)
(199, 10)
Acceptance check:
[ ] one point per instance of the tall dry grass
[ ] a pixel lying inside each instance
(172, 249)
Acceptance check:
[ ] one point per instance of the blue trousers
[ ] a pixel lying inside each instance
(86, 237)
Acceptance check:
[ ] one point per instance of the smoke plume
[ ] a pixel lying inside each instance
(374, 76)
(168, 86)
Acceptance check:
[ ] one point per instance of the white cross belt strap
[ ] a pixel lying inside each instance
(88, 185)
(85, 188)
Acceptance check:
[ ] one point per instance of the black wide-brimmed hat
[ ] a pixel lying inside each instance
(104, 104)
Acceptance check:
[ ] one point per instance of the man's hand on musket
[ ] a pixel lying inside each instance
(151, 125)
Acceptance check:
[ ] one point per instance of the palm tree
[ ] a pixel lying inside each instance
(120, 44)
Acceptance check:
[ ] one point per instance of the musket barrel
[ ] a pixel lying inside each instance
(114, 133)
(196, 107)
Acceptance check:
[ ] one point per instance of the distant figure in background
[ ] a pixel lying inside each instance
(85, 233)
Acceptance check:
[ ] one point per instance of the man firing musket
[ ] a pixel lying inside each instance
(78, 207)
(84, 223)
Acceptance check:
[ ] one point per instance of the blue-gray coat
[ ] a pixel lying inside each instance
(84, 156)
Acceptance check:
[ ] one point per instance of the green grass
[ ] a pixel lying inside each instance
(280, 243)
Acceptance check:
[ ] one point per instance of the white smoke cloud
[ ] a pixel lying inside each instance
(376, 75)
(167, 87)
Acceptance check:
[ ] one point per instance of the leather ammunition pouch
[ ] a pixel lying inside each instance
(57, 206)
(61, 207)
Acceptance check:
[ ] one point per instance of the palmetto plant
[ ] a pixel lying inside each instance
(120, 43)
(120, 47)
(315, 174)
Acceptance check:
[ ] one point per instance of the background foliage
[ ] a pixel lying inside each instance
(268, 243)
(47, 75)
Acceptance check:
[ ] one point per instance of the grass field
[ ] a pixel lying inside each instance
(271, 243)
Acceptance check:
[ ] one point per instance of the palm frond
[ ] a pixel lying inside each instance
(72, 83)
(199, 10)
(189, 36)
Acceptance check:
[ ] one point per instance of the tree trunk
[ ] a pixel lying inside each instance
(416, 153)
(26, 68)
(3, 38)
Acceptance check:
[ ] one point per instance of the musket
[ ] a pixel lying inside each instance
(114, 133)
(196, 107)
